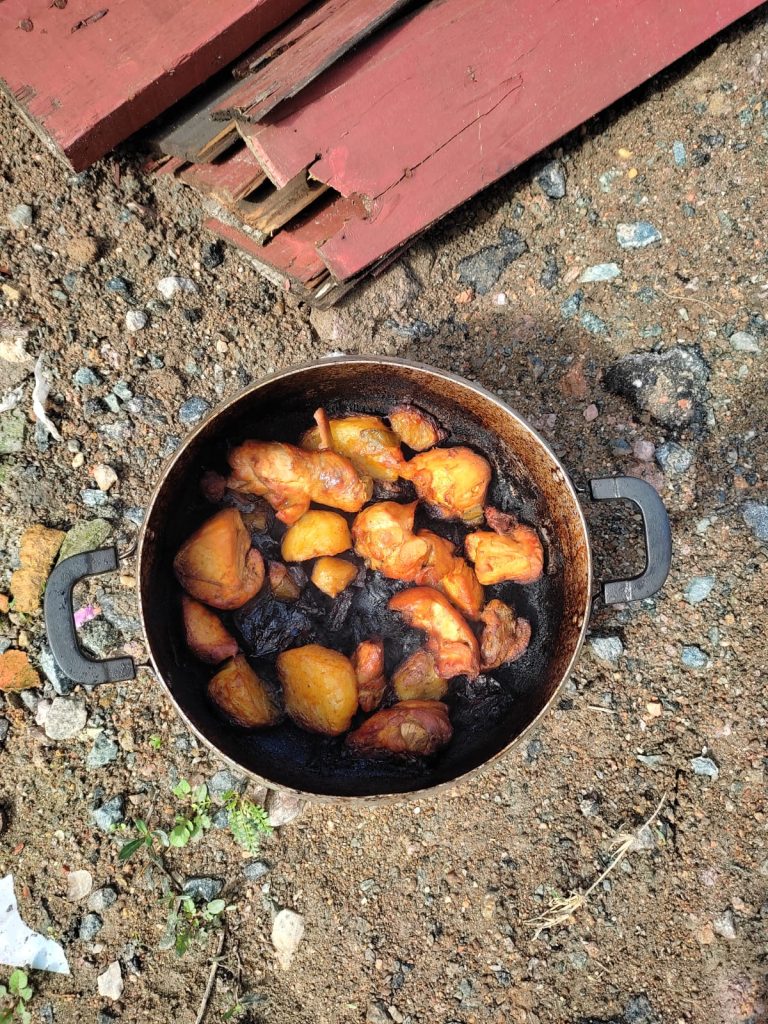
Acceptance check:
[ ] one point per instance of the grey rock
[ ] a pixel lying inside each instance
(203, 889)
(637, 235)
(650, 760)
(61, 683)
(220, 818)
(600, 272)
(678, 153)
(282, 808)
(551, 180)
(224, 781)
(255, 870)
(109, 814)
(483, 269)
(5, 725)
(102, 899)
(85, 536)
(90, 926)
(592, 323)
(136, 320)
(30, 699)
(657, 382)
(103, 752)
(20, 216)
(212, 255)
(550, 273)
(724, 925)
(99, 637)
(639, 1011)
(66, 718)
(85, 377)
(46, 1014)
(376, 1013)
(694, 657)
(607, 648)
(673, 458)
(534, 750)
(572, 305)
(119, 285)
(119, 609)
(193, 410)
(92, 497)
(134, 515)
(705, 766)
(12, 426)
(755, 516)
(699, 589)
(741, 341)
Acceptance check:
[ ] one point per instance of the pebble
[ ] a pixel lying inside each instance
(671, 386)
(193, 410)
(637, 235)
(591, 413)
(639, 1011)
(551, 180)
(678, 153)
(572, 305)
(66, 718)
(85, 377)
(20, 216)
(90, 926)
(694, 657)
(110, 983)
(104, 476)
(724, 926)
(643, 450)
(202, 888)
(593, 323)
(705, 766)
(118, 284)
(109, 814)
(103, 752)
(699, 589)
(99, 637)
(212, 255)
(607, 648)
(79, 884)
(483, 269)
(85, 536)
(282, 808)
(755, 516)
(673, 458)
(534, 750)
(5, 725)
(600, 272)
(287, 933)
(548, 278)
(61, 683)
(224, 781)
(169, 286)
(741, 341)
(255, 870)
(135, 320)
(101, 899)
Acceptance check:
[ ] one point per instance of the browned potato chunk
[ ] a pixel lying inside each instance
(449, 638)
(512, 552)
(410, 728)
(332, 575)
(316, 533)
(217, 565)
(384, 539)
(207, 636)
(284, 586)
(417, 678)
(451, 575)
(452, 481)
(415, 428)
(368, 662)
(505, 637)
(334, 481)
(244, 696)
(366, 441)
(320, 688)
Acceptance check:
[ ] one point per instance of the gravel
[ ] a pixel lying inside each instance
(109, 814)
(66, 718)
(725, 926)
(673, 458)
(699, 589)
(482, 270)
(170, 286)
(110, 982)
(79, 884)
(21, 216)
(607, 648)
(741, 341)
(202, 888)
(61, 683)
(5, 725)
(637, 235)
(255, 870)
(551, 180)
(600, 272)
(755, 516)
(90, 926)
(705, 766)
(103, 752)
(136, 320)
(99, 637)
(224, 781)
(694, 657)
(193, 410)
(102, 899)
(671, 386)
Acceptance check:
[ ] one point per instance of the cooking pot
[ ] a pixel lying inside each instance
(528, 478)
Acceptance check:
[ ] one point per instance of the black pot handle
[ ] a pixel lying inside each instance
(60, 620)
(658, 537)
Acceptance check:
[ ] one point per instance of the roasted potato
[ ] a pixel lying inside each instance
(371, 447)
(332, 575)
(417, 678)
(384, 538)
(410, 728)
(207, 636)
(451, 575)
(317, 533)
(449, 638)
(320, 688)
(415, 428)
(512, 552)
(284, 586)
(217, 565)
(440, 558)
(368, 662)
(243, 696)
(452, 481)
(505, 636)
(334, 481)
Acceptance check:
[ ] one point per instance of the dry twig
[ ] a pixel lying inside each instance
(211, 979)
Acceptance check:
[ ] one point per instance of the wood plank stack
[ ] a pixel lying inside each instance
(323, 144)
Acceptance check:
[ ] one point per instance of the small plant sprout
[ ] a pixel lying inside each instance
(152, 841)
(155, 741)
(197, 820)
(244, 1003)
(187, 923)
(14, 998)
(247, 821)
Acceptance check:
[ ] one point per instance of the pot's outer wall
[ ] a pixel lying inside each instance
(281, 408)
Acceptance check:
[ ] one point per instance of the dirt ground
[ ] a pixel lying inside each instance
(417, 912)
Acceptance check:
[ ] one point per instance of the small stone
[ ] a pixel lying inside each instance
(212, 255)
(169, 286)
(91, 497)
(643, 450)
(5, 725)
(99, 637)
(654, 708)
(203, 889)
(706, 934)
(287, 933)
(119, 285)
(551, 180)
(66, 718)
(593, 323)
(225, 781)
(673, 458)
(600, 272)
(671, 385)
(572, 305)
(699, 589)
(104, 476)
(639, 1011)
(743, 342)
(193, 410)
(82, 249)
(483, 269)
(694, 657)
(90, 926)
(110, 983)
(705, 766)
(85, 536)
(192, 316)
(255, 870)
(79, 884)
(20, 216)
(591, 413)
(724, 926)
(534, 750)
(103, 752)
(109, 814)
(376, 1013)
(755, 516)
(282, 808)
(135, 320)
(678, 153)
(637, 235)
(102, 899)
(607, 648)
(548, 278)
(12, 426)
(85, 377)
(60, 682)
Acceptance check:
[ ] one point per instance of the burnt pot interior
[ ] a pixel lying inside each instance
(487, 715)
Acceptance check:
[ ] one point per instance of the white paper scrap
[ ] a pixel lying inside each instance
(19, 945)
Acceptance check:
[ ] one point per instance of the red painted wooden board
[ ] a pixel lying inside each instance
(314, 42)
(431, 111)
(229, 179)
(90, 73)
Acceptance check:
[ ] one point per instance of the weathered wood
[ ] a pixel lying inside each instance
(87, 83)
(191, 134)
(432, 110)
(267, 215)
(294, 58)
(229, 179)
